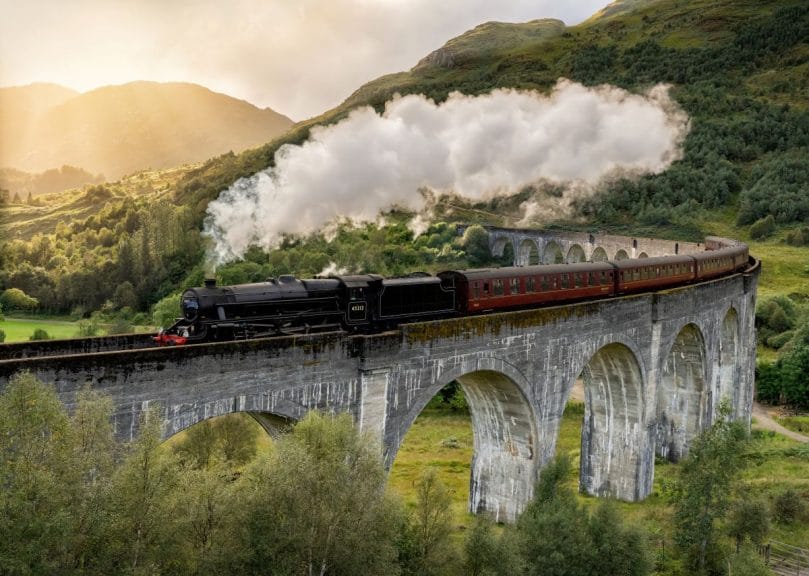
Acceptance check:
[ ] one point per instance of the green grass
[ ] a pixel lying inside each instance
(20, 330)
(795, 423)
(774, 463)
(441, 440)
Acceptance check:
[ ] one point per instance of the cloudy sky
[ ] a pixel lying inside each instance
(299, 57)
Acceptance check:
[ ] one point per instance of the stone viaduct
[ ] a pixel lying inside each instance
(654, 368)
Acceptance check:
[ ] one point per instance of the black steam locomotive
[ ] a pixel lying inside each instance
(370, 303)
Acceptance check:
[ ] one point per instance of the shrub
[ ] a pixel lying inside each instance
(787, 507)
(777, 341)
(16, 299)
(2, 336)
(762, 228)
(39, 334)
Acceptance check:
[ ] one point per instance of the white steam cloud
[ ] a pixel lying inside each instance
(476, 147)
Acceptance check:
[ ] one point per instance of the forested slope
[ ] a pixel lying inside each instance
(739, 69)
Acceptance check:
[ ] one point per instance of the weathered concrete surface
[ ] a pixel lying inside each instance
(655, 367)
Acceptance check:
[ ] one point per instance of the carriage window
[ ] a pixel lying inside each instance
(564, 280)
(657, 270)
(591, 280)
(497, 286)
(544, 280)
(529, 284)
(603, 278)
(515, 286)
(485, 288)
(476, 290)
(579, 279)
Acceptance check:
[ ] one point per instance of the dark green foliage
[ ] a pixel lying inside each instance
(775, 316)
(487, 554)
(788, 506)
(779, 188)
(40, 334)
(229, 439)
(763, 228)
(318, 505)
(2, 336)
(594, 64)
(748, 561)
(749, 519)
(799, 237)
(703, 491)
(558, 536)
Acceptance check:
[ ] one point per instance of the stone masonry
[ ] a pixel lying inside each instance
(654, 367)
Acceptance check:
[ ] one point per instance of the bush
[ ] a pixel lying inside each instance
(16, 299)
(39, 334)
(777, 341)
(120, 326)
(787, 507)
(763, 228)
(2, 336)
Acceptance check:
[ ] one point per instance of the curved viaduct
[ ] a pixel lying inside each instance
(654, 366)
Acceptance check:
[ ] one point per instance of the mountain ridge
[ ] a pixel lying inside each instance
(120, 129)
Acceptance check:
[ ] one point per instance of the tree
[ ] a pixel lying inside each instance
(34, 464)
(487, 555)
(16, 299)
(426, 543)
(318, 504)
(553, 528)
(475, 243)
(748, 519)
(143, 535)
(703, 490)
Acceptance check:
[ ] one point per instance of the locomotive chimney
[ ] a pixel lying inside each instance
(210, 282)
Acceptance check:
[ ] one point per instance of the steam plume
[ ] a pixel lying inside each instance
(476, 147)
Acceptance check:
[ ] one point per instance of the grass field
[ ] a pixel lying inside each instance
(443, 440)
(19, 330)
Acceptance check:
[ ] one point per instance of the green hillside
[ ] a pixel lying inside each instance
(738, 68)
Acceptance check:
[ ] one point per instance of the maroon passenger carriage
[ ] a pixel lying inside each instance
(370, 303)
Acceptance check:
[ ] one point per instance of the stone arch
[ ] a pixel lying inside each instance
(683, 399)
(575, 254)
(643, 255)
(599, 255)
(613, 435)
(275, 418)
(505, 459)
(621, 255)
(528, 253)
(727, 358)
(499, 245)
(552, 254)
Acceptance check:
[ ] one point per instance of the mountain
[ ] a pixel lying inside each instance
(117, 130)
(739, 69)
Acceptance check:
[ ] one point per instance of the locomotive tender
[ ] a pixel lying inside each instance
(370, 303)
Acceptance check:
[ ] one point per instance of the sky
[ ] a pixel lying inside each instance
(299, 57)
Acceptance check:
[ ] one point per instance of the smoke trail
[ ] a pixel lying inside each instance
(476, 147)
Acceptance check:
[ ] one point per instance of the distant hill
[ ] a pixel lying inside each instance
(116, 130)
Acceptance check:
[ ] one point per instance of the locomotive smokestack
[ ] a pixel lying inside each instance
(210, 282)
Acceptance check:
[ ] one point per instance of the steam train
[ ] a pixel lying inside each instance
(370, 303)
